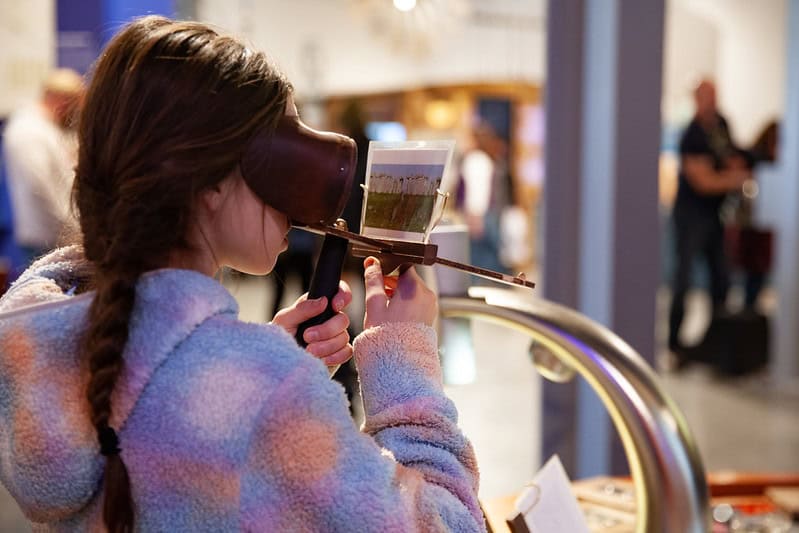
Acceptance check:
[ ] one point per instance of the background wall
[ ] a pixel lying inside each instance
(328, 47)
(353, 46)
(740, 43)
(28, 46)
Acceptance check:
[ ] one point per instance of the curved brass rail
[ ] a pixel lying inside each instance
(670, 488)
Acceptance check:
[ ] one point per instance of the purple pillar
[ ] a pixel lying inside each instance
(85, 26)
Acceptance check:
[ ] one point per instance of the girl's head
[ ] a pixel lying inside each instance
(168, 114)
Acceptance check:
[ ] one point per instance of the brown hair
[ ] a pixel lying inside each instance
(169, 112)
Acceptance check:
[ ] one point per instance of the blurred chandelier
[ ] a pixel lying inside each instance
(413, 26)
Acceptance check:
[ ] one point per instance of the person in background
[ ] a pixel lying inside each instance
(298, 260)
(486, 191)
(134, 399)
(764, 149)
(40, 152)
(711, 166)
(353, 124)
(754, 242)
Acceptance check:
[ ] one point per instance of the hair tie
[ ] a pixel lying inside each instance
(109, 443)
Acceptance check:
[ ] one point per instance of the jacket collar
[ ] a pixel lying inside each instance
(170, 304)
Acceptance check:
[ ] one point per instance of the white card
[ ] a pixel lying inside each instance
(548, 504)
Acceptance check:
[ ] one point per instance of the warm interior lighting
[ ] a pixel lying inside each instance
(440, 114)
(404, 5)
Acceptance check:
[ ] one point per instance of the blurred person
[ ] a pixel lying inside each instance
(40, 153)
(298, 261)
(711, 166)
(486, 192)
(353, 125)
(753, 242)
(134, 398)
(764, 149)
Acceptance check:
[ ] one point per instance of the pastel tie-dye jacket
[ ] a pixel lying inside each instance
(224, 425)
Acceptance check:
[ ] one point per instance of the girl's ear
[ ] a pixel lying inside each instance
(213, 197)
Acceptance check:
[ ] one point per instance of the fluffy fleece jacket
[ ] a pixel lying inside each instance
(224, 425)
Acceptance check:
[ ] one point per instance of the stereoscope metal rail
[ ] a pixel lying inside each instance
(670, 488)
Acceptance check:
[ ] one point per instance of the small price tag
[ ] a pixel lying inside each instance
(548, 504)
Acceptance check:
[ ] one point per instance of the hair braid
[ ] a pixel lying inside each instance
(104, 343)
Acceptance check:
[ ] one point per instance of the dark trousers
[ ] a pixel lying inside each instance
(697, 235)
(288, 263)
(485, 250)
(753, 285)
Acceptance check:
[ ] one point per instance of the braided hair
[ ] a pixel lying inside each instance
(168, 114)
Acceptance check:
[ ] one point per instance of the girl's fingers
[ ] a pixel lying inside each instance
(334, 326)
(329, 347)
(376, 299)
(340, 357)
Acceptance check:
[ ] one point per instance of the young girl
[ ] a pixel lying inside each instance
(131, 396)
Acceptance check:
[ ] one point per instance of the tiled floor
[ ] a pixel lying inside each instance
(749, 423)
(745, 424)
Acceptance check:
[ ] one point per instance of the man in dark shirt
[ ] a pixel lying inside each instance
(710, 167)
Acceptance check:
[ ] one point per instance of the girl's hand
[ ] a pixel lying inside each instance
(407, 300)
(328, 341)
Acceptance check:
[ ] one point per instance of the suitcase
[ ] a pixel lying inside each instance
(736, 343)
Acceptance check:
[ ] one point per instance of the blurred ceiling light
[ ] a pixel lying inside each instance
(404, 5)
(413, 27)
(440, 114)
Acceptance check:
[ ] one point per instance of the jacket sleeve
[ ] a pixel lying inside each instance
(411, 469)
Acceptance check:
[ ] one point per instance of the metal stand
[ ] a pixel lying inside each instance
(670, 487)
